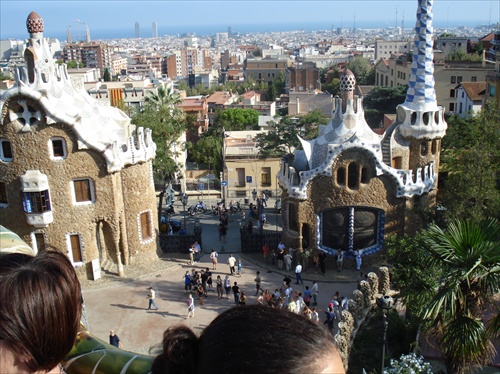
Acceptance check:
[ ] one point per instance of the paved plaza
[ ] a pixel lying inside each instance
(122, 306)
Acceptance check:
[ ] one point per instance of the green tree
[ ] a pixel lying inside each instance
(208, 150)
(381, 101)
(235, 119)
(164, 97)
(271, 92)
(469, 164)
(407, 259)
(107, 76)
(167, 123)
(362, 70)
(460, 55)
(469, 256)
(333, 87)
(280, 84)
(281, 138)
(73, 64)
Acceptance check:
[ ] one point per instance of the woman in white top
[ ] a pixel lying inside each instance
(213, 257)
(190, 304)
(227, 286)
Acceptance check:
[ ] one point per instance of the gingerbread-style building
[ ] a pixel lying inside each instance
(350, 188)
(74, 174)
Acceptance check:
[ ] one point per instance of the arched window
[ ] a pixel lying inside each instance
(423, 149)
(341, 176)
(353, 176)
(364, 175)
(434, 146)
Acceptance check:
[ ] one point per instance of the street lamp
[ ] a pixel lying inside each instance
(385, 303)
(185, 198)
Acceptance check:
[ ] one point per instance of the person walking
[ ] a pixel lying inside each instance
(340, 259)
(298, 274)
(191, 255)
(190, 305)
(330, 319)
(257, 284)
(358, 259)
(288, 261)
(315, 292)
(213, 256)
(322, 262)
(243, 298)
(209, 279)
(231, 261)
(151, 297)
(187, 281)
(227, 286)
(114, 339)
(240, 266)
(204, 278)
(197, 251)
(265, 252)
(220, 287)
(236, 293)
(281, 258)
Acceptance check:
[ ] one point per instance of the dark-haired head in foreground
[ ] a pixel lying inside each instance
(250, 339)
(40, 309)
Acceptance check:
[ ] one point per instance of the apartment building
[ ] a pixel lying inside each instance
(447, 75)
(450, 44)
(265, 70)
(244, 170)
(303, 102)
(196, 106)
(218, 100)
(118, 65)
(384, 49)
(92, 55)
(303, 77)
(174, 65)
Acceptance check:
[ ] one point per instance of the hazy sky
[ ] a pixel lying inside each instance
(181, 16)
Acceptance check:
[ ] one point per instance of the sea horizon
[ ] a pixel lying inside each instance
(128, 32)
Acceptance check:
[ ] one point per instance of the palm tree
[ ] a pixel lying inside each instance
(469, 255)
(165, 97)
(166, 120)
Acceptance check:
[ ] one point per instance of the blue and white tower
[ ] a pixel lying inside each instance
(420, 116)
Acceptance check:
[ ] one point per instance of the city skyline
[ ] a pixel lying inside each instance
(204, 17)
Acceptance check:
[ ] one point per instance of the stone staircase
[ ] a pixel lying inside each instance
(386, 145)
(108, 266)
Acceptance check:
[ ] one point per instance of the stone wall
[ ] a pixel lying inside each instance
(107, 226)
(359, 306)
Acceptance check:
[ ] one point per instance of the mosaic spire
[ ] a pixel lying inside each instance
(421, 94)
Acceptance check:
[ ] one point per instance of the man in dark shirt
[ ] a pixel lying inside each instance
(322, 262)
(236, 292)
(204, 278)
(114, 339)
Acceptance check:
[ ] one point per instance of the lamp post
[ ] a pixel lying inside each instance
(185, 198)
(385, 303)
